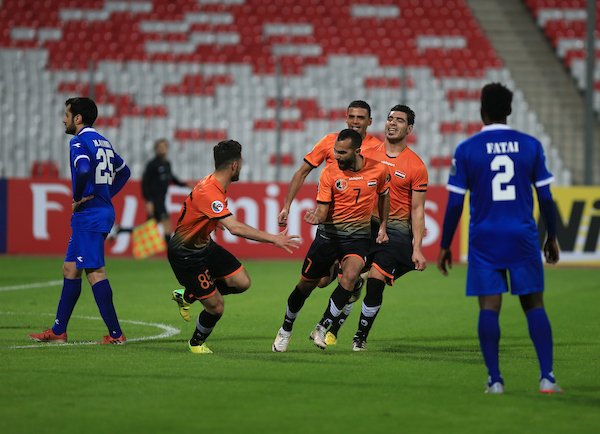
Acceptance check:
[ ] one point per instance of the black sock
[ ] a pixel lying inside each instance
(337, 324)
(370, 307)
(204, 326)
(294, 304)
(339, 298)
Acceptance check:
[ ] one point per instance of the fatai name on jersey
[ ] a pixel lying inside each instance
(502, 147)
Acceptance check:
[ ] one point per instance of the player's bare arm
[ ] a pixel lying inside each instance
(317, 216)
(551, 251)
(84, 199)
(383, 208)
(281, 240)
(295, 184)
(418, 229)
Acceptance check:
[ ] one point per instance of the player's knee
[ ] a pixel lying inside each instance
(243, 283)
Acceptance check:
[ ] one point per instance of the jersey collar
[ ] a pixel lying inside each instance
(492, 127)
(86, 130)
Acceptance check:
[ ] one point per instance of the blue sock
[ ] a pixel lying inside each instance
(103, 296)
(489, 341)
(541, 336)
(68, 298)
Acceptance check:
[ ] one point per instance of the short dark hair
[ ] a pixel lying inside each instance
(353, 135)
(85, 107)
(159, 141)
(496, 101)
(226, 152)
(360, 104)
(410, 114)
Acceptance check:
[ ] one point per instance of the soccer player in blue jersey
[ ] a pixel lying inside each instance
(498, 166)
(97, 174)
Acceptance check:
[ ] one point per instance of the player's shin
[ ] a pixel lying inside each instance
(68, 298)
(370, 307)
(339, 298)
(204, 326)
(541, 336)
(294, 304)
(104, 299)
(489, 341)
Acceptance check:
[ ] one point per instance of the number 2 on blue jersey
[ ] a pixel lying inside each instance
(506, 171)
(105, 171)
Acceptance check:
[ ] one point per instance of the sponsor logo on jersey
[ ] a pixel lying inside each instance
(80, 258)
(341, 184)
(355, 178)
(400, 174)
(217, 206)
(372, 183)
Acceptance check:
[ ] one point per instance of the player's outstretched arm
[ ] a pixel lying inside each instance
(281, 240)
(295, 184)
(451, 219)
(418, 229)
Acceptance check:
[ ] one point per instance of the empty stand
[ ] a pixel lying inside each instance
(197, 72)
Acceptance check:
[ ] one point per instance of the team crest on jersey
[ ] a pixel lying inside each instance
(217, 206)
(341, 184)
(400, 174)
(372, 183)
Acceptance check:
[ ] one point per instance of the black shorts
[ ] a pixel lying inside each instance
(197, 269)
(326, 249)
(160, 211)
(393, 259)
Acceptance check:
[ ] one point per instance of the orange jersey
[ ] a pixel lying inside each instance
(323, 150)
(407, 173)
(350, 196)
(201, 210)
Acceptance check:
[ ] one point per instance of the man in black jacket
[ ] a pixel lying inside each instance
(155, 181)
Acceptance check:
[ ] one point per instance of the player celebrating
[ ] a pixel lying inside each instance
(498, 166)
(345, 200)
(406, 224)
(97, 174)
(204, 268)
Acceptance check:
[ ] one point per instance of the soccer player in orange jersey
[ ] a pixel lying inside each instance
(205, 269)
(358, 118)
(406, 223)
(347, 192)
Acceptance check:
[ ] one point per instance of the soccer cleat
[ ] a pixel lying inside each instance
(49, 336)
(496, 388)
(359, 344)
(282, 340)
(199, 349)
(547, 386)
(330, 339)
(184, 306)
(318, 336)
(109, 340)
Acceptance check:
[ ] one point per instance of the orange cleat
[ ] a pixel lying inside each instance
(108, 339)
(49, 336)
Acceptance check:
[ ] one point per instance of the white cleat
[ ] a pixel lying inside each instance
(318, 336)
(495, 389)
(282, 340)
(547, 386)
(359, 344)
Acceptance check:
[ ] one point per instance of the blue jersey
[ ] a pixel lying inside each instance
(97, 214)
(499, 166)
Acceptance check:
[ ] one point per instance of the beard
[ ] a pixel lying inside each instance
(70, 128)
(345, 164)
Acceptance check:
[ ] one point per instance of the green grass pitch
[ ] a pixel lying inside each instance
(422, 373)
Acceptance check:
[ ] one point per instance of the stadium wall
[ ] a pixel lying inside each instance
(38, 214)
(3, 209)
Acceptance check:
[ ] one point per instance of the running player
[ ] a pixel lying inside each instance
(204, 268)
(345, 198)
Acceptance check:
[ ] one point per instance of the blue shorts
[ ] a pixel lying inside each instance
(86, 249)
(526, 278)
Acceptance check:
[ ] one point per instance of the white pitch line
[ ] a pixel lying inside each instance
(30, 285)
(168, 331)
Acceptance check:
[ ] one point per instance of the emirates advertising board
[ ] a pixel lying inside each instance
(35, 215)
